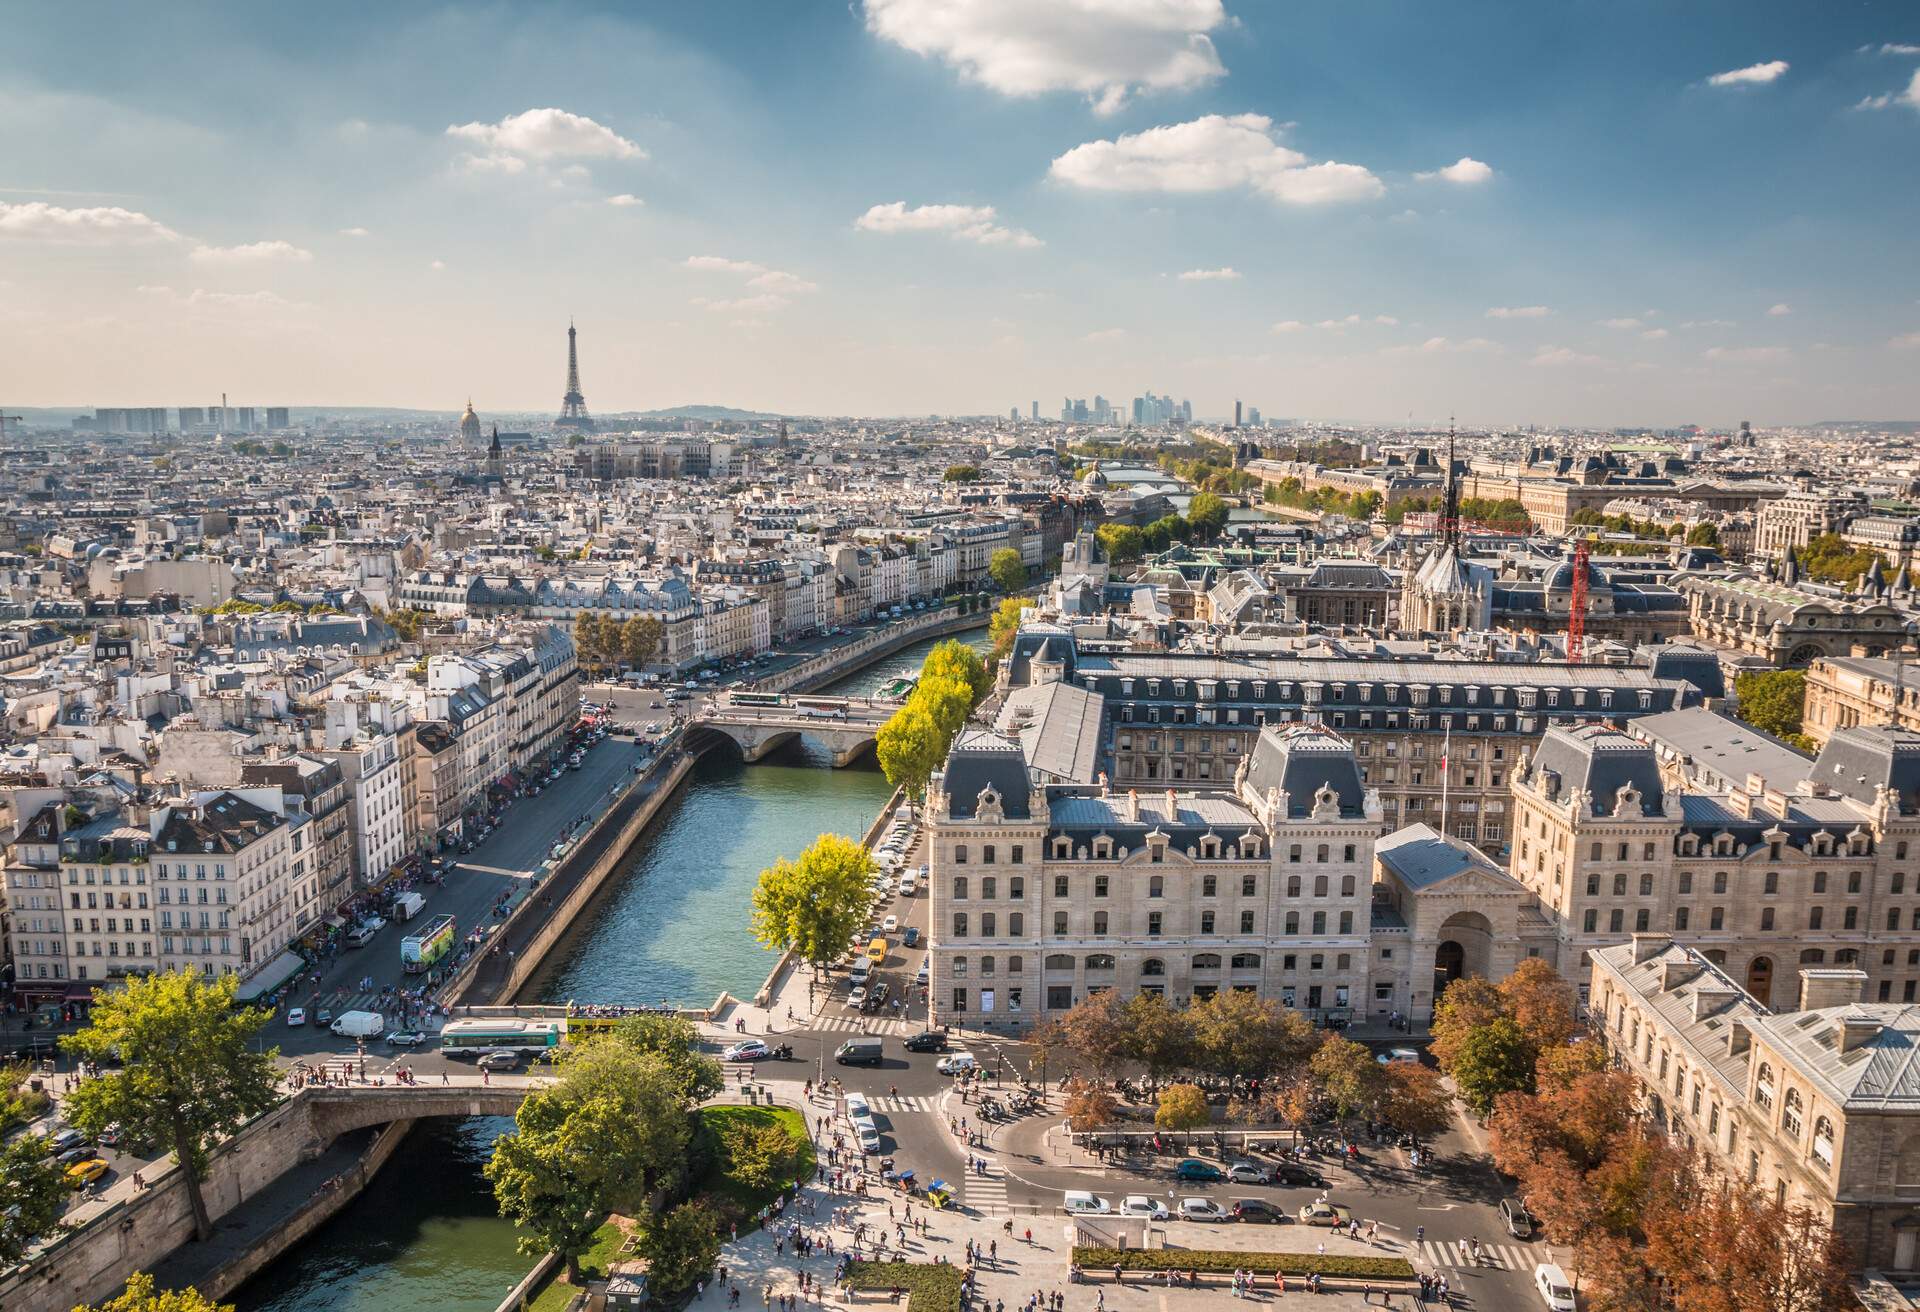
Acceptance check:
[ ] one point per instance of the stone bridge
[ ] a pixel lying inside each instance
(333, 1111)
(845, 726)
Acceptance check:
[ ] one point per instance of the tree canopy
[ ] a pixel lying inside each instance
(140, 1295)
(1182, 1107)
(1773, 701)
(1006, 569)
(812, 906)
(188, 1075)
(1005, 624)
(1207, 514)
(910, 747)
(681, 1246)
(36, 1193)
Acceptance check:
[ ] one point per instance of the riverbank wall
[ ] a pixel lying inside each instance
(809, 676)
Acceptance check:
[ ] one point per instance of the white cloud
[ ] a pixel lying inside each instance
(1214, 153)
(1518, 312)
(1211, 275)
(1620, 323)
(1106, 335)
(1751, 75)
(1353, 320)
(1466, 170)
(975, 223)
(1654, 334)
(547, 134)
(1894, 48)
(97, 225)
(1552, 357)
(1287, 326)
(201, 298)
(355, 232)
(437, 265)
(1448, 346)
(255, 252)
(1905, 342)
(1708, 323)
(625, 200)
(1746, 354)
(757, 275)
(1910, 96)
(1781, 310)
(1108, 50)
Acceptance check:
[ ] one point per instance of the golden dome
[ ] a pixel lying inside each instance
(470, 422)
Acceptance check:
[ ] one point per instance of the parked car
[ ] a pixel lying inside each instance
(1248, 1173)
(1082, 1203)
(1142, 1205)
(110, 1137)
(77, 1153)
(500, 1061)
(1193, 1168)
(1258, 1210)
(1515, 1216)
(66, 1140)
(1202, 1209)
(1294, 1174)
(927, 1041)
(748, 1050)
(890, 924)
(1327, 1214)
(296, 1017)
(82, 1174)
(1555, 1292)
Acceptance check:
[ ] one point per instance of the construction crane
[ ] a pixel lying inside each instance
(1577, 606)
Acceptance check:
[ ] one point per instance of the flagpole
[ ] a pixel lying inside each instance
(1446, 776)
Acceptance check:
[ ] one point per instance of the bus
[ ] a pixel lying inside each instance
(419, 952)
(877, 950)
(475, 1038)
(757, 698)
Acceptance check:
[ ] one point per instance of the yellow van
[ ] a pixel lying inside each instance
(877, 950)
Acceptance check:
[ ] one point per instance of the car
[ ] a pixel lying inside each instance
(909, 884)
(82, 1174)
(1294, 1174)
(857, 998)
(747, 1050)
(1248, 1173)
(921, 976)
(1515, 1215)
(1193, 1168)
(65, 1140)
(957, 1063)
(110, 1137)
(1082, 1203)
(78, 1153)
(1399, 1057)
(927, 1041)
(500, 1061)
(1258, 1210)
(1202, 1209)
(1555, 1292)
(911, 936)
(1327, 1214)
(296, 1017)
(877, 996)
(890, 924)
(1141, 1205)
(323, 1017)
(406, 1039)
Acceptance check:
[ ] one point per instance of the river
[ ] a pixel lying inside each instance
(673, 926)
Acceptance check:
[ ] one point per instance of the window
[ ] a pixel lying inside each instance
(1060, 886)
(1099, 961)
(1293, 890)
(1018, 854)
(1292, 922)
(1641, 920)
(1772, 882)
(1590, 923)
(1346, 886)
(1646, 885)
(1246, 961)
(1763, 1087)
(1246, 922)
(1620, 884)
(1790, 1114)
(1819, 881)
(1100, 885)
(959, 854)
(1815, 917)
(1346, 922)
(989, 888)
(1717, 918)
(1766, 918)
(1616, 920)
(959, 924)
(1153, 966)
(1016, 925)
(1059, 961)
(1157, 886)
(1719, 881)
(1059, 923)
(1247, 886)
(986, 855)
(1210, 886)
(1099, 924)
(959, 999)
(959, 888)
(1823, 1143)
(1680, 918)
(1686, 881)
(1206, 922)
(1153, 924)
(1017, 887)
(1319, 922)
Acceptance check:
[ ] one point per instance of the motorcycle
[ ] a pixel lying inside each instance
(783, 1053)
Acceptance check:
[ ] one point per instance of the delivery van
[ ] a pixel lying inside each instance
(863, 1051)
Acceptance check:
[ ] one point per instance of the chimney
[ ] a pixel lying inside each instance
(1648, 946)
(1676, 971)
(1854, 1031)
(1710, 997)
(1832, 987)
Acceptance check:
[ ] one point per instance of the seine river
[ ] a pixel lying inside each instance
(673, 926)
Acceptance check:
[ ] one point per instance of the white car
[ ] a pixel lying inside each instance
(909, 884)
(890, 924)
(1141, 1205)
(957, 1063)
(857, 998)
(1554, 1290)
(1202, 1209)
(747, 1050)
(1399, 1057)
(296, 1017)
(1082, 1203)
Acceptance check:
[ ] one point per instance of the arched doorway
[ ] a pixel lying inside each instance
(1760, 980)
(1465, 948)
(1449, 964)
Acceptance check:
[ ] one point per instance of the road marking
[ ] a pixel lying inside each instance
(1458, 1255)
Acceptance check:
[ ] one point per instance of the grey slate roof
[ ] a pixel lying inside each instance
(1727, 747)
(1059, 728)
(1422, 858)
(1881, 1074)
(1602, 761)
(1858, 760)
(1300, 760)
(978, 761)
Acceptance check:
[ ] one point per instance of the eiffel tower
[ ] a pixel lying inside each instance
(573, 406)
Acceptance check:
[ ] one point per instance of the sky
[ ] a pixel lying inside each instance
(1566, 213)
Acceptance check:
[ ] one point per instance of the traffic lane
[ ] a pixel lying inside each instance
(531, 825)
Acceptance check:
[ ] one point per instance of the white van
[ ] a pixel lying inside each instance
(1554, 1289)
(909, 884)
(1082, 1203)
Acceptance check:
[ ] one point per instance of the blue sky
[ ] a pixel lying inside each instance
(1631, 212)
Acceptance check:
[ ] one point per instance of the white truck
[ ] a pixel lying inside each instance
(359, 1024)
(408, 906)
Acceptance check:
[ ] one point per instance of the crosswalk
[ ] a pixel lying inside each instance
(902, 1102)
(854, 1023)
(1456, 1253)
(985, 1192)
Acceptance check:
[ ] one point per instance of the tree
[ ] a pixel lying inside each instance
(640, 639)
(36, 1193)
(141, 1296)
(1207, 513)
(961, 473)
(1240, 1035)
(812, 906)
(1182, 1107)
(1120, 542)
(910, 747)
(1490, 1061)
(681, 1246)
(759, 1155)
(1090, 1106)
(1299, 1102)
(1722, 1246)
(1159, 1037)
(1349, 1076)
(1006, 569)
(1540, 1003)
(1703, 534)
(1830, 558)
(947, 702)
(1414, 1100)
(1466, 1005)
(1095, 1031)
(676, 1041)
(1561, 1065)
(1772, 701)
(960, 663)
(189, 1076)
(1005, 625)
(602, 1139)
(586, 637)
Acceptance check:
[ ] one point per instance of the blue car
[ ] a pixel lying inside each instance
(1193, 1168)
(911, 937)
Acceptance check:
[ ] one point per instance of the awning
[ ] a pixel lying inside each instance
(270, 976)
(80, 991)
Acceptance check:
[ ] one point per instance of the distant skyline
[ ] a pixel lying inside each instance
(1560, 214)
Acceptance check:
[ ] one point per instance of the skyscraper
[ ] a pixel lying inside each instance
(1036, 412)
(573, 406)
(1236, 414)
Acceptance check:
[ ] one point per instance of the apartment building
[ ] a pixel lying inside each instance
(1761, 881)
(316, 788)
(1803, 514)
(1818, 1104)
(1847, 690)
(221, 865)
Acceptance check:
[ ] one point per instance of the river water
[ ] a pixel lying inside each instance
(674, 926)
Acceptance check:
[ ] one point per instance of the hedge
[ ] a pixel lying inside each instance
(929, 1287)
(1266, 1264)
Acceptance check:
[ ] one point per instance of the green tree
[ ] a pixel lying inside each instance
(1830, 558)
(961, 663)
(910, 747)
(188, 1075)
(141, 1296)
(676, 1041)
(640, 639)
(1095, 1031)
(36, 1193)
(961, 473)
(1772, 700)
(1006, 569)
(1348, 1076)
(586, 637)
(1119, 542)
(758, 1155)
(1182, 1107)
(946, 701)
(1089, 1106)
(603, 1138)
(1464, 1006)
(681, 1247)
(1494, 1059)
(812, 906)
(1159, 1037)
(1005, 625)
(1703, 535)
(1240, 1035)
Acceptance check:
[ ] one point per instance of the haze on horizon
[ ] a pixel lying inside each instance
(908, 206)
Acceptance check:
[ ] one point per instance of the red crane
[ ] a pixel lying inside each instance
(1577, 606)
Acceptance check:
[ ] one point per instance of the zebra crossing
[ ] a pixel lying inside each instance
(903, 1102)
(853, 1023)
(985, 1191)
(1456, 1253)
